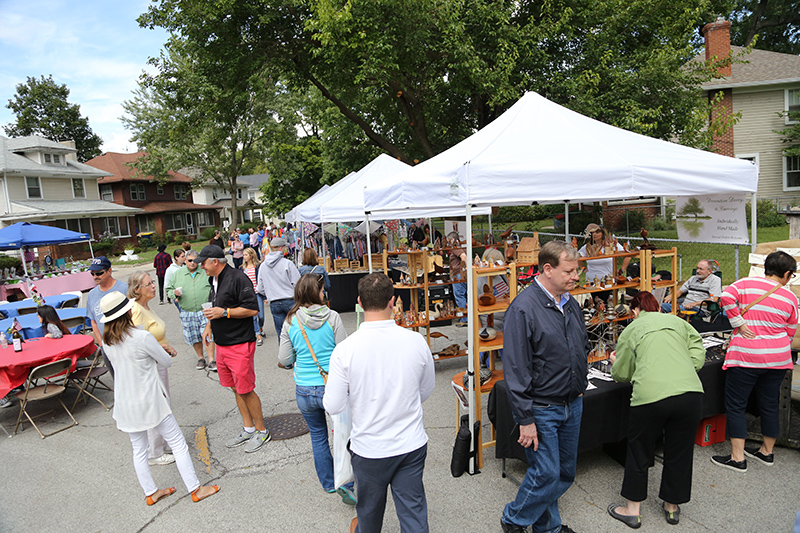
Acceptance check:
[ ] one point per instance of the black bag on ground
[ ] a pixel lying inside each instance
(461, 455)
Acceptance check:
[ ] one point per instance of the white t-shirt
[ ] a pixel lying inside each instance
(599, 267)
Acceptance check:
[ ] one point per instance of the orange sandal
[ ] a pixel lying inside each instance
(151, 501)
(196, 498)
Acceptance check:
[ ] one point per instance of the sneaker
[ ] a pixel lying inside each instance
(566, 529)
(727, 461)
(512, 528)
(201, 364)
(239, 439)
(212, 366)
(755, 453)
(257, 441)
(348, 498)
(260, 341)
(166, 459)
(5, 402)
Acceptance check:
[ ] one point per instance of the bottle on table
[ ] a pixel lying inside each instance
(16, 338)
(3, 341)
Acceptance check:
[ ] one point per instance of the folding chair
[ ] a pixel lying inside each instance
(27, 310)
(88, 378)
(76, 294)
(71, 303)
(51, 389)
(75, 324)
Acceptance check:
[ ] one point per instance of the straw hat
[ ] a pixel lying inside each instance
(113, 306)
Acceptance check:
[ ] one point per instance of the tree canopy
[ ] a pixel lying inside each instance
(776, 22)
(42, 109)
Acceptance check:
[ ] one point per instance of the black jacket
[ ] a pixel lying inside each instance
(234, 289)
(544, 352)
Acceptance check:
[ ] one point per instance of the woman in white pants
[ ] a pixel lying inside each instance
(140, 399)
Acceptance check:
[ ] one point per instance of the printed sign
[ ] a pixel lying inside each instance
(712, 218)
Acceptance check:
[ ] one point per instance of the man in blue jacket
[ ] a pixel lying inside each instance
(546, 347)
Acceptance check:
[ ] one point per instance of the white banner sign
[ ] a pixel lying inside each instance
(712, 218)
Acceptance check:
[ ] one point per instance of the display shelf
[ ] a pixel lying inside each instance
(415, 325)
(461, 353)
(500, 305)
(616, 286)
(416, 264)
(486, 388)
(494, 344)
(415, 286)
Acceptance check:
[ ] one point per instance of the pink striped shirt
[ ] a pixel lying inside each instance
(773, 320)
(251, 273)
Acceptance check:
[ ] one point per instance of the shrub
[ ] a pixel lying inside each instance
(659, 224)
(7, 261)
(767, 214)
(137, 250)
(633, 220)
(103, 248)
(208, 233)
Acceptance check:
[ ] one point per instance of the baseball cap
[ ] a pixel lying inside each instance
(277, 242)
(210, 251)
(100, 263)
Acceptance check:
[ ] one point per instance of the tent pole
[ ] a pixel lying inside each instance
(490, 227)
(471, 318)
(566, 220)
(369, 244)
(91, 250)
(24, 266)
(324, 240)
(753, 222)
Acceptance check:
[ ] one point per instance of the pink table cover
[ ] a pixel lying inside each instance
(81, 281)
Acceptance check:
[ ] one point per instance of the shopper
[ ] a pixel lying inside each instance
(216, 240)
(308, 338)
(276, 280)
(161, 263)
(311, 266)
(764, 313)
(660, 354)
(100, 269)
(384, 373)
(250, 267)
(140, 401)
(237, 249)
(52, 325)
(178, 260)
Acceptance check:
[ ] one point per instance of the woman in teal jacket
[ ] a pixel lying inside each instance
(660, 355)
(311, 324)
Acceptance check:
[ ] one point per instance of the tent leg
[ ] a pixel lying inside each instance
(472, 394)
(753, 222)
(91, 250)
(566, 220)
(369, 244)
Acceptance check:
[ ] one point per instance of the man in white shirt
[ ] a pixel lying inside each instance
(384, 372)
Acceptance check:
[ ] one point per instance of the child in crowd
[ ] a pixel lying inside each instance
(53, 325)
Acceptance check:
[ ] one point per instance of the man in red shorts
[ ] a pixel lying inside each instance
(230, 319)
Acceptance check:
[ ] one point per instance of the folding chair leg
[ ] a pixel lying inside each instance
(30, 419)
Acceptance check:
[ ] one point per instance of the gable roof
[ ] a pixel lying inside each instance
(762, 67)
(253, 181)
(116, 165)
(12, 160)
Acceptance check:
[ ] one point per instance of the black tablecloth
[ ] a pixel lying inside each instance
(344, 291)
(605, 412)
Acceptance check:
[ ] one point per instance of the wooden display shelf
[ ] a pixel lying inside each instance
(486, 388)
(499, 306)
(608, 256)
(494, 344)
(461, 353)
(414, 325)
(414, 286)
(500, 269)
(616, 286)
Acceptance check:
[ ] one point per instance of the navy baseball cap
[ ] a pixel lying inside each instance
(100, 263)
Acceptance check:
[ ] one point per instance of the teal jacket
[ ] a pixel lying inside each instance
(324, 329)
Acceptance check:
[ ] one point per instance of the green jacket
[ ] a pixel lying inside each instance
(660, 355)
(195, 288)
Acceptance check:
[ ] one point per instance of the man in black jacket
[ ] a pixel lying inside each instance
(230, 318)
(546, 347)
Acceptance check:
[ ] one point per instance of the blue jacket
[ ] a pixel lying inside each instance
(544, 352)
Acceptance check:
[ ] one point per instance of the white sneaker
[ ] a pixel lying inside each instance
(166, 459)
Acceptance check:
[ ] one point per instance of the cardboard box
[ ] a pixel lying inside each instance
(711, 430)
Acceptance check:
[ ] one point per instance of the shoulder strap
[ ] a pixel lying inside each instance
(746, 309)
(322, 371)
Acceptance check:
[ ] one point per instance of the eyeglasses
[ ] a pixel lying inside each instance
(150, 284)
(190, 261)
(98, 273)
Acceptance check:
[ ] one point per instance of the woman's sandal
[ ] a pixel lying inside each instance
(151, 501)
(196, 498)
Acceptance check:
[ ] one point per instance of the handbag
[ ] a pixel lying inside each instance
(322, 371)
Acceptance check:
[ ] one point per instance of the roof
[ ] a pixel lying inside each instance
(166, 207)
(30, 210)
(13, 162)
(116, 165)
(762, 67)
(254, 181)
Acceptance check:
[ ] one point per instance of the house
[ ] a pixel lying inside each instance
(252, 207)
(213, 195)
(43, 183)
(165, 207)
(762, 88)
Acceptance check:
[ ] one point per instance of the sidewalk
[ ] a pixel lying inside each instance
(83, 480)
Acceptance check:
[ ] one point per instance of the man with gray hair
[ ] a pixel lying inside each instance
(276, 280)
(546, 347)
(189, 287)
(703, 286)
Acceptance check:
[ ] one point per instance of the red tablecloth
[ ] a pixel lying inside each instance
(15, 366)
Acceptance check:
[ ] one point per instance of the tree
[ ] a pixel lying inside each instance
(416, 84)
(775, 22)
(791, 135)
(42, 109)
(208, 121)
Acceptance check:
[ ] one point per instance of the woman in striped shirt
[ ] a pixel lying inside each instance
(759, 355)
(250, 267)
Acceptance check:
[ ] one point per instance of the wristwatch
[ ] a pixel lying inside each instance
(226, 313)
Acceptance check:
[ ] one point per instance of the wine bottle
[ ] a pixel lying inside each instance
(16, 338)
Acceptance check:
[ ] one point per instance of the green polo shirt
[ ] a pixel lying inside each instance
(660, 355)
(195, 287)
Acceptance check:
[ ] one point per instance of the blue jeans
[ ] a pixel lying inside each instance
(309, 401)
(460, 293)
(552, 468)
(258, 320)
(279, 310)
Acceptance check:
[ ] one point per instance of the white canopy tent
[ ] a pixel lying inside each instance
(540, 152)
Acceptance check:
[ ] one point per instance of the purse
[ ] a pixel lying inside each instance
(322, 371)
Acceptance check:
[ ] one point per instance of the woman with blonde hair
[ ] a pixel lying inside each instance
(140, 400)
(250, 267)
(142, 290)
(600, 242)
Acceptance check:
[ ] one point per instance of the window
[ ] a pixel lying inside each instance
(145, 223)
(77, 188)
(159, 189)
(137, 192)
(106, 192)
(251, 195)
(110, 224)
(180, 192)
(205, 219)
(34, 188)
(47, 158)
(791, 173)
(174, 221)
(81, 225)
(239, 193)
(56, 159)
(214, 194)
(792, 104)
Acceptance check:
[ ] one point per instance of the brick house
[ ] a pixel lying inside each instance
(166, 207)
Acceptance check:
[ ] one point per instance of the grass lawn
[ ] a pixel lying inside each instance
(147, 257)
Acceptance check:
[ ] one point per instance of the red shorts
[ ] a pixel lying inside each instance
(236, 367)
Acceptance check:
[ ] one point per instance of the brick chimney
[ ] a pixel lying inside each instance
(70, 144)
(718, 42)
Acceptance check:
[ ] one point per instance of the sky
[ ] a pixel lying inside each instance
(96, 48)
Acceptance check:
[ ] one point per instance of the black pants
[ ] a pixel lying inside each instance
(739, 384)
(160, 288)
(676, 418)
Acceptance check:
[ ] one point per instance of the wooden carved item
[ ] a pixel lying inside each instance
(487, 298)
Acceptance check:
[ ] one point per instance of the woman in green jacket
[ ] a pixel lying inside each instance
(660, 355)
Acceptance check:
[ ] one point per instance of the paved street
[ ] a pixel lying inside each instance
(83, 479)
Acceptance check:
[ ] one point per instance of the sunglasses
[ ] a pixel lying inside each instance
(98, 273)
(190, 260)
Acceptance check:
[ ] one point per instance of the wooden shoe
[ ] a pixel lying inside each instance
(151, 501)
(196, 498)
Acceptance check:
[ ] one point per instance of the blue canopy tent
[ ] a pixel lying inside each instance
(25, 234)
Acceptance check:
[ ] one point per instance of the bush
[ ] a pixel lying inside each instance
(103, 248)
(659, 224)
(7, 261)
(633, 220)
(767, 214)
(208, 233)
(137, 250)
